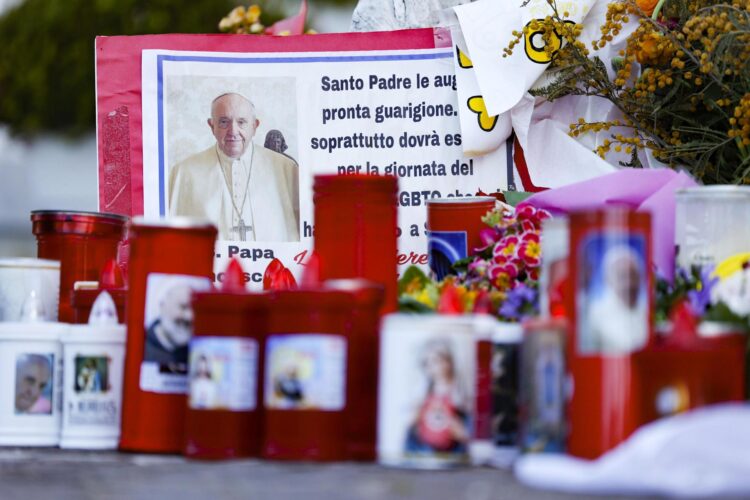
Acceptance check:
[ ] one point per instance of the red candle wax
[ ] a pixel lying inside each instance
(169, 259)
(82, 241)
(224, 417)
(355, 230)
(609, 300)
(307, 355)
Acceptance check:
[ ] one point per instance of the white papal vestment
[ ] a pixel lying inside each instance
(205, 184)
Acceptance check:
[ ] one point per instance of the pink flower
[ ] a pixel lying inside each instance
(506, 247)
(503, 275)
(489, 237)
(530, 217)
(478, 267)
(529, 250)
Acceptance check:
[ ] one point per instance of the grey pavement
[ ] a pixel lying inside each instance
(27, 474)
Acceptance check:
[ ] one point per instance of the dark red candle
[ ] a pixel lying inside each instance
(224, 417)
(609, 300)
(169, 260)
(355, 230)
(454, 225)
(362, 370)
(82, 241)
(307, 355)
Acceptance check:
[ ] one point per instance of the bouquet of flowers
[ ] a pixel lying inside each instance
(682, 83)
(501, 277)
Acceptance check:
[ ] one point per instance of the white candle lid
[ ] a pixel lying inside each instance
(41, 331)
(95, 334)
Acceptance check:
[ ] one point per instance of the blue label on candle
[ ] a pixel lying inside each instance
(445, 248)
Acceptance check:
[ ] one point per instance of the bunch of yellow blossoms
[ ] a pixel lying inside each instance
(242, 20)
(682, 82)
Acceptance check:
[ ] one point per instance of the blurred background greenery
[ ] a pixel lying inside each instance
(48, 147)
(47, 50)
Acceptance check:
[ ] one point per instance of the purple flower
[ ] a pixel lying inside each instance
(519, 303)
(700, 297)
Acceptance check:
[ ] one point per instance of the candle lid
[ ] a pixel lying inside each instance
(26, 263)
(41, 331)
(172, 223)
(714, 192)
(466, 200)
(355, 183)
(77, 214)
(89, 334)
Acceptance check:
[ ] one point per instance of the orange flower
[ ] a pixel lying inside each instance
(647, 6)
(654, 49)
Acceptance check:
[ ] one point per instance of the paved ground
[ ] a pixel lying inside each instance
(64, 475)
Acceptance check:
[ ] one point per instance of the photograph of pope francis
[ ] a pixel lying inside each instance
(249, 191)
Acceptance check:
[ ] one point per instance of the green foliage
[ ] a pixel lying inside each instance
(47, 61)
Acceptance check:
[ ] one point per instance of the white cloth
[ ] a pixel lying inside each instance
(702, 453)
(199, 188)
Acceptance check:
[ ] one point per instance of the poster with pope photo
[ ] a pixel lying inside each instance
(215, 129)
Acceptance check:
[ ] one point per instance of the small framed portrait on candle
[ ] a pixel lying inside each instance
(91, 374)
(612, 294)
(168, 321)
(34, 383)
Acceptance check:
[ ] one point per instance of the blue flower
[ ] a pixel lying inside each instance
(700, 297)
(519, 303)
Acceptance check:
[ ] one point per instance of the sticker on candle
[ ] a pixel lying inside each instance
(613, 315)
(168, 321)
(223, 373)
(34, 383)
(305, 372)
(92, 402)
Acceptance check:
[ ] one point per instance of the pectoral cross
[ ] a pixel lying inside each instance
(242, 229)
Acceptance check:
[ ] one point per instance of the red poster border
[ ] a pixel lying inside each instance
(118, 84)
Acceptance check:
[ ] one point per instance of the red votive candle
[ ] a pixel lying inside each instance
(82, 241)
(454, 225)
(169, 260)
(362, 376)
(355, 229)
(83, 296)
(223, 418)
(307, 355)
(609, 300)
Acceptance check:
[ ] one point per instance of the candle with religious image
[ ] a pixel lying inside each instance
(427, 390)
(224, 406)
(609, 298)
(94, 355)
(30, 368)
(82, 241)
(307, 363)
(169, 260)
(454, 226)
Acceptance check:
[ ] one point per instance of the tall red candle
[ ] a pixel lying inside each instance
(609, 300)
(362, 370)
(454, 225)
(82, 241)
(307, 355)
(224, 418)
(355, 229)
(169, 260)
